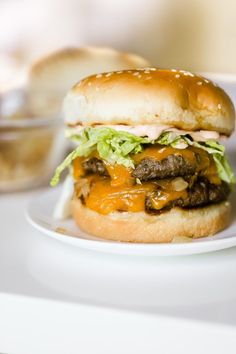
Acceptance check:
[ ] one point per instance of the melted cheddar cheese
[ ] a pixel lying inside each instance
(120, 175)
(119, 191)
(211, 173)
(78, 170)
(206, 166)
(106, 199)
(160, 200)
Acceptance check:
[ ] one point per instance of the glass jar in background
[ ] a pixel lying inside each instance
(30, 150)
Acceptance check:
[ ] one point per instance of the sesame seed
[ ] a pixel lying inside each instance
(206, 81)
(177, 76)
(215, 84)
(89, 83)
(136, 73)
(186, 73)
(147, 71)
(98, 76)
(139, 76)
(174, 70)
(152, 69)
(119, 72)
(199, 83)
(108, 74)
(129, 71)
(219, 106)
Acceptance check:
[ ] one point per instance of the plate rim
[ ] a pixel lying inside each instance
(102, 245)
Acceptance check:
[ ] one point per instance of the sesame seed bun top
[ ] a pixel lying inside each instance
(176, 98)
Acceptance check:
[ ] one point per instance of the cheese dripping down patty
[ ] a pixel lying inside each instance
(117, 190)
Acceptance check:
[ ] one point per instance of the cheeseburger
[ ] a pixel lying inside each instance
(148, 163)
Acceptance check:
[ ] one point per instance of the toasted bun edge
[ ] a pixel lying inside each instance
(143, 228)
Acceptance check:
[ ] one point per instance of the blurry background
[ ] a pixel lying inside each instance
(199, 35)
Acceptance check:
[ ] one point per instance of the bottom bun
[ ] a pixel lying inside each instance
(142, 227)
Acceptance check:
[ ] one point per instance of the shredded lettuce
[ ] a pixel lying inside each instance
(211, 146)
(112, 146)
(117, 147)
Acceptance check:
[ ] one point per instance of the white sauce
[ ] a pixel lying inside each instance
(154, 131)
(201, 135)
(151, 131)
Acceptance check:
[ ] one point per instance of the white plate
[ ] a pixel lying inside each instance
(39, 214)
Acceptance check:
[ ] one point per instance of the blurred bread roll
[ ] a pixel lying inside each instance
(52, 76)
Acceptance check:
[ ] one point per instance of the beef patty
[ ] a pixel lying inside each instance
(95, 165)
(202, 193)
(171, 166)
(148, 169)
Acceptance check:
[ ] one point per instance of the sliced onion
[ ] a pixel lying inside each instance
(82, 188)
(179, 184)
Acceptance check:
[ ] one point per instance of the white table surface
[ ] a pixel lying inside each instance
(58, 299)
